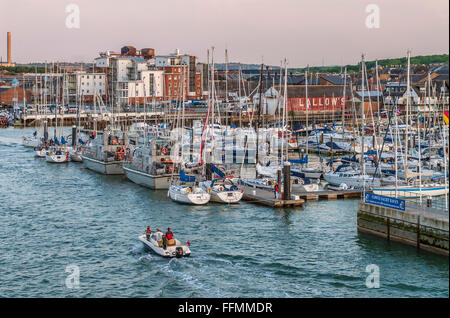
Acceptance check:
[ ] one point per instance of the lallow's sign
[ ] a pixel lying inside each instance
(316, 103)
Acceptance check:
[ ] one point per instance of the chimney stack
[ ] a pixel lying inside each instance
(9, 47)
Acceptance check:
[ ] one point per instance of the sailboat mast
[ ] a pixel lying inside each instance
(407, 118)
(259, 113)
(307, 112)
(343, 103)
(362, 122)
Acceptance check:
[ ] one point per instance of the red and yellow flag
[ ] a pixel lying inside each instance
(446, 117)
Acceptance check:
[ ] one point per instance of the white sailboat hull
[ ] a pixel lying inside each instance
(412, 191)
(357, 182)
(30, 142)
(188, 198)
(226, 196)
(41, 153)
(53, 158)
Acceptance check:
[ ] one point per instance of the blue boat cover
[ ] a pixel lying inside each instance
(215, 170)
(185, 178)
(299, 161)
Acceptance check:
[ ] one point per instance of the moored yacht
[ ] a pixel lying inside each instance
(151, 165)
(107, 153)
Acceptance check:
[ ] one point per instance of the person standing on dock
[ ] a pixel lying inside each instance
(275, 190)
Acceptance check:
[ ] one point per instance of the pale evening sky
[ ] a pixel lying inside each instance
(305, 32)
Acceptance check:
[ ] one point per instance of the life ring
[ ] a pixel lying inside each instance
(120, 156)
(114, 141)
(170, 169)
(164, 151)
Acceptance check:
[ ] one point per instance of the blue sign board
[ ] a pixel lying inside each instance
(387, 202)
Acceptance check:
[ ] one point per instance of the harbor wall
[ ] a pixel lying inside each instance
(426, 231)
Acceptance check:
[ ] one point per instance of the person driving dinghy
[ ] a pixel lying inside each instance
(148, 232)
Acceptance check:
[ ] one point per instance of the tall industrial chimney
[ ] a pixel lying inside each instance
(9, 47)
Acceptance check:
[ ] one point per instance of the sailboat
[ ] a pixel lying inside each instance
(187, 192)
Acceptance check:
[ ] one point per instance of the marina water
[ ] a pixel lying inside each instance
(53, 216)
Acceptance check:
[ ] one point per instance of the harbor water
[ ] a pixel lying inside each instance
(59, 216)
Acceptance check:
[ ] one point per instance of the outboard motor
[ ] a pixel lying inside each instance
(179, 252)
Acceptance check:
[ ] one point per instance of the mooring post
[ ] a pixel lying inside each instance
(418, 231)
(388, 224)
(45, 131)
(208, 171)
(74, 136)
(279, 181)
(429, 202)
(287, 180)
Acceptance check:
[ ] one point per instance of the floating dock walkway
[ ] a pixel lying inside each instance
(267, 198)
(328, 195)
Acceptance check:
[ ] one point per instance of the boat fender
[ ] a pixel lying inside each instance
(146, 169)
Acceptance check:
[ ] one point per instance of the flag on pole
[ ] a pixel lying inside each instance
(446, 117)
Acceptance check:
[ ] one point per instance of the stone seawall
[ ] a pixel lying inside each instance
(425, 230)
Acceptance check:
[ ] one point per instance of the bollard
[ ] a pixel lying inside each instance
(279, 181)
(74, 136)
(45, 131)
(208, 171)
(287, 180)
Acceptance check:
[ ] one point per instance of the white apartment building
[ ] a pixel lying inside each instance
(149, 86)
(86, 85)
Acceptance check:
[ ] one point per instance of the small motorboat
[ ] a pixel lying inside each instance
(174, 248)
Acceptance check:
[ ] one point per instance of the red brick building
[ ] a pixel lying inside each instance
(7, 94)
